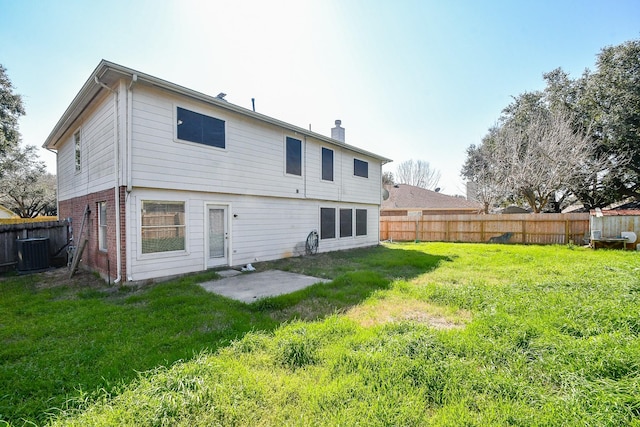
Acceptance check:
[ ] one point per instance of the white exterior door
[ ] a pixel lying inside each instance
(217, 236)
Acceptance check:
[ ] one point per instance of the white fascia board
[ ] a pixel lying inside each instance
(110, 72)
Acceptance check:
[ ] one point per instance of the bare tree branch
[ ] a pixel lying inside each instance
(418, 173)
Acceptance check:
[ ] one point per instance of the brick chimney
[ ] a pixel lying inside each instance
(338, 131)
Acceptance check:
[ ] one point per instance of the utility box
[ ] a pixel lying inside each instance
(33, 254)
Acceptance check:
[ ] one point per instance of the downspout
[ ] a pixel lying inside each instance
(134, 80)
(116, 163)
(304, 168)
(129, 155)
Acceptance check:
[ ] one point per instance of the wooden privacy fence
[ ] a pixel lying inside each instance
(542, 229)
(55, 231)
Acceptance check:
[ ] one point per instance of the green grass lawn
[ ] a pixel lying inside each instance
(405, 335)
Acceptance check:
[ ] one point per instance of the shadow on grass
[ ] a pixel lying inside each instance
(64, 343)
(355, 275)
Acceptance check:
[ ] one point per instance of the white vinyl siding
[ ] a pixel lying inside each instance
(97, 145)
(261, 229)
(252, 163)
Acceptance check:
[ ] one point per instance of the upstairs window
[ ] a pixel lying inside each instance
(294, 156)
(76, 139)
(199, 128)
(327, 164)
(360, 168)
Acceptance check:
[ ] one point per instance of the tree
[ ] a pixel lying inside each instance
(577, 137)
(607, 102)
(543, 155)
(480, 172)
(25, 187)
(10, 111)
(387, 178)
(418, 173)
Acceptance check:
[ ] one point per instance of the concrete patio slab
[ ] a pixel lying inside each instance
(250, 287)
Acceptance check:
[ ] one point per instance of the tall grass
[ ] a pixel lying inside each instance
(477, 335)
(551, 339)
(66, 342)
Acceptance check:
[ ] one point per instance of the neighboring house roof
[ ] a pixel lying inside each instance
(403, 196)
(109, 73)
(615, 212)
(631, 205)
(7, 213)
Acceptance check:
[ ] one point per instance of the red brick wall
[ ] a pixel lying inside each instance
(93, 258)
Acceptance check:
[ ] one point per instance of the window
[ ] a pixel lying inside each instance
(327, 164)
(327, 223)
(361, 222)
(163, 227)
(294, 156)
(196, 127)
(346, 223)
(102, 226)
(360, 168)
(76, 138)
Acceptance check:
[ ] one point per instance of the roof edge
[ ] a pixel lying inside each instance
(90, 89)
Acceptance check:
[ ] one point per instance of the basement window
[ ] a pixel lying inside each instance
(200, 128)
(163, 227)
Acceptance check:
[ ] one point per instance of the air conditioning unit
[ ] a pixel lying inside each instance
(33, 254)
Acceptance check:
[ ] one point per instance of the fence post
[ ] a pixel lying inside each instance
(524, 231)
(566, 232)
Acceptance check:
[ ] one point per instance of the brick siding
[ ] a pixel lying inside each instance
(103, 262)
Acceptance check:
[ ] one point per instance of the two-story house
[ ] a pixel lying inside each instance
(164, 180)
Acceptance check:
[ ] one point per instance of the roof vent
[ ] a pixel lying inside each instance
(337, 132)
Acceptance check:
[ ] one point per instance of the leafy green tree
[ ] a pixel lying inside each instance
(10, 111)
(599, 113)
(614, 93)
(606, 102)
(25, 187)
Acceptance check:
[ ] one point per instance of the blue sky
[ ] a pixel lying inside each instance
(409, 79)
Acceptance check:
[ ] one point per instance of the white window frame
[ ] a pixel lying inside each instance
(333, 164)
(354, 168)
(77, 150)
(102, 226)
(163, 254)
(205, 113)
(302, 156)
